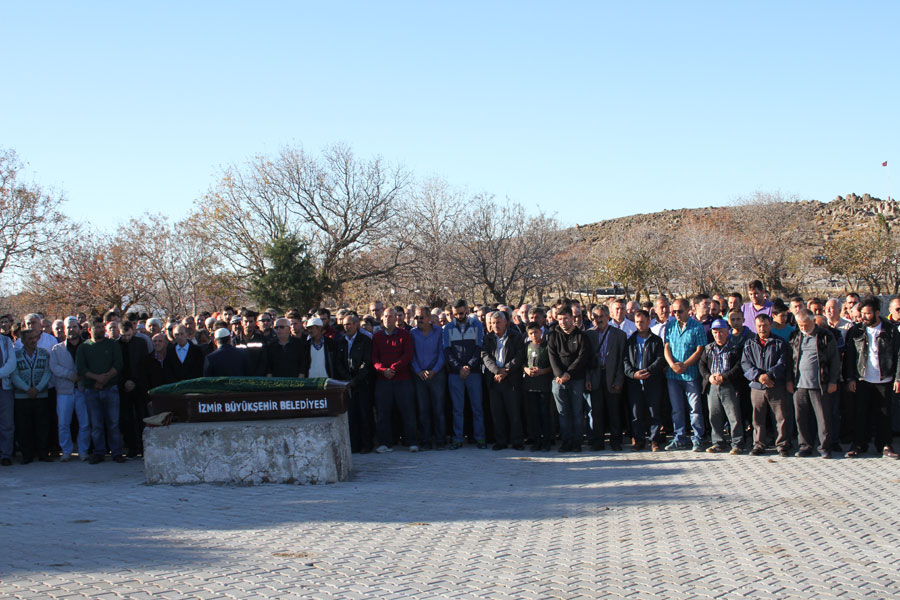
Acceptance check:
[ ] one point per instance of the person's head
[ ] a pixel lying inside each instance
(566, 320)
(735, 301)
(617, 310)
(851, 301)
(642, 321)
(821, 320)
(264, 322)
(376, 309)
(389, 318)
(98, 330)
(894, 308)
(630, 308)
(315, 328)
(72, 330)
(236, 325)
(126, 328)
(797, 302)
(460, 310)
(33, 321)
(499, 323)
(537, 315)
(763, 325)
(805, 320)
(160, 344)
(170, 331)
(662, 308)
(781, 315)
(701, 306)
(423, 318)
(58, 329)
(720, 330)
(46, 325)
(816, 307)
(283, 330)
(112, 330)
(578, 316)
(681, 310)
(248, 321)
(154, 326)
(190, 324)
(757, 292)
(351, 324)
(535, 333)
(833, 310)
(227, 313)
(222, 337)
(180, 335)
(736, 320)
(30, 339)
(6, 322)
(715, 309)
(870, 311)
(600, 317)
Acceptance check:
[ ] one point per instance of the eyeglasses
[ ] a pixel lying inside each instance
(282, 326)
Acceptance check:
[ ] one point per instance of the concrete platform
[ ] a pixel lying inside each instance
(311, 450)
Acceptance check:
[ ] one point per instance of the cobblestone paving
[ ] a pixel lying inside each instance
(463, 524)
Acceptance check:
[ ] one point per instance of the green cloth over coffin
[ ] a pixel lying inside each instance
(222, 385)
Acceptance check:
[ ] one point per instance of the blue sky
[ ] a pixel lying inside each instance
(588, 110)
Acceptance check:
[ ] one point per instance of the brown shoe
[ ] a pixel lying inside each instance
(654, 446)
(888, 452)
(637, 445)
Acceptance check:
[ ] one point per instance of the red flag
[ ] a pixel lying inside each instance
(884, 164)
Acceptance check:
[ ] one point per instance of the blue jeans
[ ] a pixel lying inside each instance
(430, 397)
(679, 391)
(569, 398)
(458, 389)
(66, 404)
(103, 407)
(7, 423)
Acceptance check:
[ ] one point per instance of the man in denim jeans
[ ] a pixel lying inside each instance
(99, 362)
(685, 339)
(569, 351)
(430, 379)
(70, 395)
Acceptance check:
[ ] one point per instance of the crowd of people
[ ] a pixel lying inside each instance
(738, 373)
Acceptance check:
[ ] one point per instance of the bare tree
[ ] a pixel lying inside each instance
(634, 259)
(27, 216)
(704, 255)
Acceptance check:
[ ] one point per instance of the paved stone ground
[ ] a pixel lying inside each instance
(463, 524)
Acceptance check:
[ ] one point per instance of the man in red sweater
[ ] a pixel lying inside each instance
(392, 353)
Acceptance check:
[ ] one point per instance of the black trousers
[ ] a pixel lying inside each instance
(812, 409)
(871, 408)
(361, 418)
(541, 409)
(32, 418)
(506, 410)
(132, 411)
(606, 413)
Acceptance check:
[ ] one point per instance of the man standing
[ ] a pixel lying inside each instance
(462, 340)
(871, 366)
(185, 360)
(226, 360)
(324, 356)
(758, 304)
(684, 342)
(430, 379)
(359, 361)
(605, 379)
(254, 342)
(132, 387)
(99, 362)
(569, 351)
(813, 381)
(392, 352)
(619, 318)
(30, 381)
(7, 401)
(766, 365)
(645, 366)
(70, 393)
(720, 367)
(504, 357)
(285, 353)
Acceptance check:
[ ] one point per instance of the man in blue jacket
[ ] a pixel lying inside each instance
(462, 340)
(766, 365)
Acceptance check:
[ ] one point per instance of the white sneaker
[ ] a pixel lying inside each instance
(413, 448)
(383, 449)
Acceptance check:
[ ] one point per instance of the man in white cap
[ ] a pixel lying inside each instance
(226, 360)
(324, 357)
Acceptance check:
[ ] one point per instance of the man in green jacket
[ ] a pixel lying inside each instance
(99, 362)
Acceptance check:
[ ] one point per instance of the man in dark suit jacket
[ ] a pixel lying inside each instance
(184, 360)
(359, 361)
(226, 361)
(285, 353)
(606, 379)
(645, 372)
(503, 355)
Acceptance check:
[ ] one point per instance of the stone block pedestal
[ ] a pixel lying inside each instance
(309, 450)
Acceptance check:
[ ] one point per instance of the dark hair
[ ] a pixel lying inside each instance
(798, 299)
(697, 299)
(126, 325)
(736, 295)
(532, 325)
(764, 317)
(642, 312)
(248, 314)
(460, 304)
(565, 309)
(110, 315)
(756, 284)
(872, 302)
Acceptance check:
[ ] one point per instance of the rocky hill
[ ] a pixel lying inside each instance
(828, 218)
